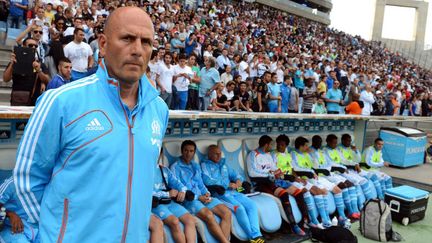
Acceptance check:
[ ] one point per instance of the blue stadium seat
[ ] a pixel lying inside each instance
(270, 220)
(201, 153)
(7, 161)
(251, 144)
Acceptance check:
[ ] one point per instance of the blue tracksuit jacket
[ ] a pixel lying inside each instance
(190, 175)
(85, 163)
(218, 173)
(159, 185)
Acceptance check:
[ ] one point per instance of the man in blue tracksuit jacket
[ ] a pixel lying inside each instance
(17, 228)
(217, 172)
(167, 186)
(85, 163)
(189, 173)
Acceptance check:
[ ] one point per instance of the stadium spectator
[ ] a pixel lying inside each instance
(209, 80)
(249, 38)
(355, 107)
(309, 93)
(182, 78)
(63, 76)
(334, 99)
(28, 82)
(16, 13)
(218, 100)
(274, 94)
(367, 97)
(319, 106)
(164, 79)
(80, 54)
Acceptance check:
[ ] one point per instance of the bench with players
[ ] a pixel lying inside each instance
(212, 186)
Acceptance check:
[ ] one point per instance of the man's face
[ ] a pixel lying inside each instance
(215, 155)
(332, 143)
(347, 142)
(65, 69)
(304, 148)
(336, 85)
(267, 77)
(40, 13)
(31, 43)
(274, 79)
(37, 33)
(230, 87)
(281, 146)
(167, 59)
(242, 87)
(127, 45)
(79, 36)
(188, 153)
(379, 145)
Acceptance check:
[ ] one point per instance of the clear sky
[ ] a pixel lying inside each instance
(356, 17)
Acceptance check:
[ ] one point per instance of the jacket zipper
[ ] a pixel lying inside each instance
(64, 220)
(130, 174)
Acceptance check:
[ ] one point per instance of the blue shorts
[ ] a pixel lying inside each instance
(282, 183)
(196, 205)
(163, 211)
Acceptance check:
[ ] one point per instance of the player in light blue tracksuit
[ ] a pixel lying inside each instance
(168, 187)
(217, 172)
(17, 228)
(189, 173)
(92, 159)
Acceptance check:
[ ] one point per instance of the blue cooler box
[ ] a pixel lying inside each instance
(407, 204)
(403, 146)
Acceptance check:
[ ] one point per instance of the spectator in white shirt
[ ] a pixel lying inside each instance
(182, 78)
(80, 54)
(164, 79)
(368, 99)
(243, 68)
(222, 61)
(226, 76)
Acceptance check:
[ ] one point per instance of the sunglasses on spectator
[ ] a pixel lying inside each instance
(38, 32)
(32, 46)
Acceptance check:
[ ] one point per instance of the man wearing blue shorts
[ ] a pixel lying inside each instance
(167, 193)
(217, 172)
(203, 206)
(17, 227)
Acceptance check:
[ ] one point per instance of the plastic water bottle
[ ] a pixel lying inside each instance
(2, 217)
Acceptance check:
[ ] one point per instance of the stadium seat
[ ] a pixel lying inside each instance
(201, 153)
(202, 147)
(251, 144)
(171, 152)
(270, 220)
(7, 161)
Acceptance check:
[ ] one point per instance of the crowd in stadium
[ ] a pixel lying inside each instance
(218, 59)
(232, 56)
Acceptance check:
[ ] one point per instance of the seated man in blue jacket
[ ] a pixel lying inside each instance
(17, 228)
(168, 192)
(203, 206)
(217, 173)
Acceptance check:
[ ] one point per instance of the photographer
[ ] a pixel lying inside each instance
(28, 81)
(168, 192)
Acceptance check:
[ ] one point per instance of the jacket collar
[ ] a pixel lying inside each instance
(146, 90)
